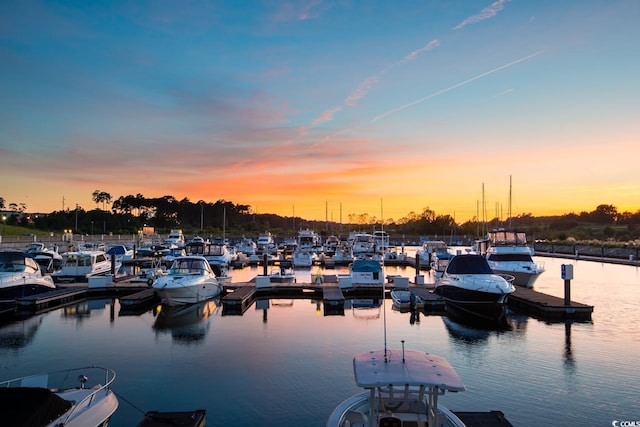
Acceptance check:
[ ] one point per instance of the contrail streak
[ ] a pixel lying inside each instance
(450, 88)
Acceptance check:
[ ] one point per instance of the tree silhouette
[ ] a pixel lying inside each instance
(101, 197)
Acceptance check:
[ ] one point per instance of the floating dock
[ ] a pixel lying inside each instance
(238, 297)
(56, 298)
(547, 307)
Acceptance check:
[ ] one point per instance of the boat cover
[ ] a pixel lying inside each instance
(177, 419)
(469, 264)
(30, 406)
(418, 368)
(366, 265)
(117, 250)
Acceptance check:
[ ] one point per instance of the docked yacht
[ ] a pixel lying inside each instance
(509, 253)
(246, 246)
(266, 244)
(401, 387)
(176, 237)
(189, 280)
(219, 254)
(406, 298)
(426, 250)
(49, 259)
(20, 276)
(468, 284)
(330, 245)
(79, 266)
(363, 246)
(80, 397)
(366, 272)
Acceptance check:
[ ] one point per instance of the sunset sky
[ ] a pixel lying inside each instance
(323, 108)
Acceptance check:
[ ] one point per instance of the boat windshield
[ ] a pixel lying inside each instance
(189, 266)
(510, 257)
(15, 262)
(78, 259)
(469, 264)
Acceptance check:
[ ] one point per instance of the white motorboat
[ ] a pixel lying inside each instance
(266, 244)
(440, 259)
(343, 254)
(303, 258)
(469, 285)
(401, 387)
(282, 275)
(79, 266)
(509, 253)
(330, 245)
(121, 253)
(308, 241)
(362, 245)
(219, 254)
(49, 259)
(426, 250)
(176, 237)
(20, 276)
(189, 280)
(366, 272)
(246, 246)
(406, 298)
(80, 397)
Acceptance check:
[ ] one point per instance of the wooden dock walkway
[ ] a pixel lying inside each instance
(547, 307)
(238, 297)
(238, 300)
(137, 299)
(56, 297)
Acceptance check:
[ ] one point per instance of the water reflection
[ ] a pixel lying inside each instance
(569, 359)
(19, 334)
(465, 333)
(188, 324)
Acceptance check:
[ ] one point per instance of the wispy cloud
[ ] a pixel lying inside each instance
(450, 88)
(299, 10)
(413, 55)
(486, 13)
(367, 84)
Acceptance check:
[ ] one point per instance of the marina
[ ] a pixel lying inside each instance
(322, 292)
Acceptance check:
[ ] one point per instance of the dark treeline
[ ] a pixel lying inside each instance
(129, 214)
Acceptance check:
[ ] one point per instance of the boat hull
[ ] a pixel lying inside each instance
(188, 295)
(474, 303)
(521, 278)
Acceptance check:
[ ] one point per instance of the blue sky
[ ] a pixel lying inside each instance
(323, 108)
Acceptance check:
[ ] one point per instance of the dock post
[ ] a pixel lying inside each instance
(567, 292)
(567, 275)
(264, 264)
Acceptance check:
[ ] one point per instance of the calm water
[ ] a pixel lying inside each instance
(290, 364)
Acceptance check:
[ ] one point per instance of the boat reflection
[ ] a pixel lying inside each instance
(365, 308)
(187, 324)
(471, 334)
(19, 334)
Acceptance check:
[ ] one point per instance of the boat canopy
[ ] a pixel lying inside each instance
(405, 368)
(117, 250)
(30, 406)
(366, 265)
(469, 264)
(502, 237)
